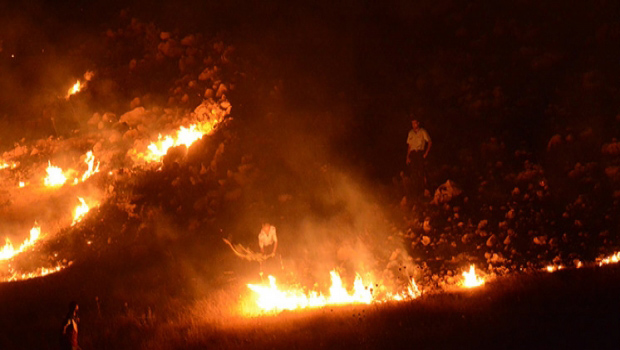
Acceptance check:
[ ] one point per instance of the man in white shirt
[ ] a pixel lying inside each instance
(418, 145)
(267, 237)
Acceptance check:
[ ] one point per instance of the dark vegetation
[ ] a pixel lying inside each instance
(520, 102)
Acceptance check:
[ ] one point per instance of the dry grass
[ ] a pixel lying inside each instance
(566, 309)
(571, 309)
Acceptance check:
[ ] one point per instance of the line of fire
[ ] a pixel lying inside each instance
(41, 181)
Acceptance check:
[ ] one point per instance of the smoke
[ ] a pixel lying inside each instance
(328, 215)
(288, 162)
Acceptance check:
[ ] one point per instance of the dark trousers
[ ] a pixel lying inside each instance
(417, 172)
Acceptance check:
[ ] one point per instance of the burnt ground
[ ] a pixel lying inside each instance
(518, 99)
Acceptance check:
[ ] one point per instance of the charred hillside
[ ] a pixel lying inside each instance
(303, 112)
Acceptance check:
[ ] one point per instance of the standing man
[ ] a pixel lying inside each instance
(418, 145)
(70, 329)
(266, 237)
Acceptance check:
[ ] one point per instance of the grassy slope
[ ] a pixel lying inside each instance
(574, 309)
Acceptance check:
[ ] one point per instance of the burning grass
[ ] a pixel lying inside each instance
(482, 318)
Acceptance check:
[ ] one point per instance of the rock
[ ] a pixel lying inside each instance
(466, 238)
(133, 117)
(555, 141)
(510, 214)
(446, 192)
(426, 240)
(427, 226)
(540, 240)
(492, 241)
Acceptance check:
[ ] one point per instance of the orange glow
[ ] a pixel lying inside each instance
(55, 176)
(74, 89)
(271, 298)
(80, 211)
(39, 272)
(5, 165)
(8, 251)
(612, 259)
(184, 136)
(92, 169)
(471, 280)
(554, 268)
(78, 86)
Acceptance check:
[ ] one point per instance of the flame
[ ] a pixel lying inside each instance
(183, 136)
(78, 86)
(8, 251)
(612, 259)
(5, 165)
(92, 169)
(80, 211)
(39, 272)
(272, 298)
(471, 280)
(160, 148)
(54, 177)
(554, 268)
(74, 89)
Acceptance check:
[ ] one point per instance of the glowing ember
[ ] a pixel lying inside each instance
(272, 298)
(8, 251)
(554, 268)
(54, 177)
(80, 211)
(471, 280)
(22, 184)
(92, 169)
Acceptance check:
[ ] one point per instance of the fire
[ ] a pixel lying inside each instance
(554, 268)
(184, 136)
(80, 211)
(92, 169)
(272, 298)
(39, 272)
(74, 89)
(160, 148)
(8, 251)
(471, 280)
(5, 165)
(78, 86)
(612, 259)
(55, 176)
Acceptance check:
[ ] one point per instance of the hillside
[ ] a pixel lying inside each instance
(297, 115)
